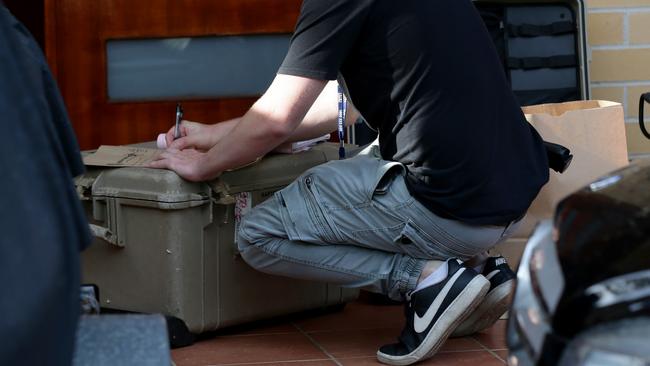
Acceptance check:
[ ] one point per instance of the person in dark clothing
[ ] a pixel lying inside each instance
(43, 225)
(454, 169)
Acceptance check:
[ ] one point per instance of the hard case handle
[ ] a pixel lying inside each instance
(108, 212)
(106, 234)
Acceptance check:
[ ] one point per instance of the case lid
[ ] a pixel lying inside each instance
(165, 186)
(148, 184)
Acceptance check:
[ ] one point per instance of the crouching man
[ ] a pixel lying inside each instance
(455, 168)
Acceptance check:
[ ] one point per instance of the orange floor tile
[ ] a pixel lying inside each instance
(349, 337)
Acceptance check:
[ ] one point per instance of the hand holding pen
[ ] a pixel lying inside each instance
(162, 138)
(184, 134)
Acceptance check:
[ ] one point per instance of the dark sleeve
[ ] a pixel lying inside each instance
(41, 218)
(325, 33)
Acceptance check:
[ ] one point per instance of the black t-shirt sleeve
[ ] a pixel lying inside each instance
(325, 32)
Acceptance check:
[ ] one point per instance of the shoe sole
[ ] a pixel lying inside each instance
(495, 304)
(462, 306)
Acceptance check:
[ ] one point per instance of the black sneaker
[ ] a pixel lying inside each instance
(497, 300)
(433, 313)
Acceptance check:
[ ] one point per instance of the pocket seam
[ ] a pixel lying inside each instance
(319, 212)
(416, 230)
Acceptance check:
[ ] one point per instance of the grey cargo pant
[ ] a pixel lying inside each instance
(354, 223)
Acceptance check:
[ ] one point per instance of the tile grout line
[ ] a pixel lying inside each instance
(313, 331)
(483, 349)
(626, 28)
(619, 84)
(631, 9)
(264, 362)
(356, 329)
(489, 350)
(252, 334)
(313, 341)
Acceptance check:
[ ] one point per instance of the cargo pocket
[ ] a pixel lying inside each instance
(292, 212)
(420, 244)
(319, 216)
(304, 218)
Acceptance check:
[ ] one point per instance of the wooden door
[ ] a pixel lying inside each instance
(76, 35)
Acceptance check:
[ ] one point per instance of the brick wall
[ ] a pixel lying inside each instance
(619, 38)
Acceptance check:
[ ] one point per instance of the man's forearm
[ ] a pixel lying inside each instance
(321, 118)
(270, 122)
(253, 136)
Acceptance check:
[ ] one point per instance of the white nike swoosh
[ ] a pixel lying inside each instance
(492, 274)
(421, 324)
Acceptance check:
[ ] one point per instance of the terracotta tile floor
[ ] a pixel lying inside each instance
(349, 337)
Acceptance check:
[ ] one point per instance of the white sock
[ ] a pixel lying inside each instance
(437, 276)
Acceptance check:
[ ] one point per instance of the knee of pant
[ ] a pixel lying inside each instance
(249, 234)
(243, 240)
(250, 252)
(258, 222)
(245, 247)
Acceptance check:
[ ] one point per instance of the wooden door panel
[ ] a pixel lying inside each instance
(76, 36)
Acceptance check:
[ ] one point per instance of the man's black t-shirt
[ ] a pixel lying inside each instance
(427, 76)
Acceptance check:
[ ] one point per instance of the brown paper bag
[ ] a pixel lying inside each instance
(594, 131)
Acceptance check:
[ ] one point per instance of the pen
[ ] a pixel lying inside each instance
(179, 118)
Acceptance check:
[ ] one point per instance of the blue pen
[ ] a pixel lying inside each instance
(343, 106)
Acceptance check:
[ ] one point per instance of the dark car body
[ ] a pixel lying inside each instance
(587, 272)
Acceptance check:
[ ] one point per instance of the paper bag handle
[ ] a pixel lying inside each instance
(644, 98)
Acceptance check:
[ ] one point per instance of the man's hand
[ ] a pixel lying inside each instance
(268, 123)
(198, 136)
(190, 164)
